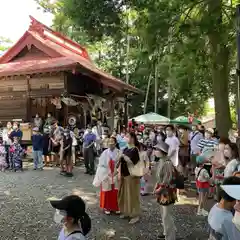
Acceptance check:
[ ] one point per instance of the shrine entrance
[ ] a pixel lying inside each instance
(45, 105)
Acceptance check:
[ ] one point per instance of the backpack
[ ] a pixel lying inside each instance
(178, 179)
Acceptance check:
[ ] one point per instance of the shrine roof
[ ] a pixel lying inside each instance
(63, 54)
(36, 66)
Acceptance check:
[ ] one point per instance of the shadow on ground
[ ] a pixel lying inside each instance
(26, 213)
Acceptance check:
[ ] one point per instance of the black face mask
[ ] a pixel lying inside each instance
(202, 131)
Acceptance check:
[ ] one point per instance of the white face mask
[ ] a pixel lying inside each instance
(236, 220)
(181, 130)
(207, 135)
(139, 137)
(157, 153)
(59, 216)
(159, 138)
(89, 130)
(15, 127)
(227, 153)
(151, 135)
(169, 133)
(194, 128)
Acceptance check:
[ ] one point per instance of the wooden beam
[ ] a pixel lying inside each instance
(28, 100)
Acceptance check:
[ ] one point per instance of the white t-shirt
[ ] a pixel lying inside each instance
(232, 166)
(202, 176)
(173, 143)
(75, 236)
(217, 216)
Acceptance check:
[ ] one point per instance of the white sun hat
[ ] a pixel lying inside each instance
(232, 190)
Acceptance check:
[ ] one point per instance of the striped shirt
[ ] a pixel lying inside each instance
(206, 144)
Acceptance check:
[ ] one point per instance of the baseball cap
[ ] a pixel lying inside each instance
(210, 130)
(200, 159)
(73, 205)
(162, 146)
(232, 190)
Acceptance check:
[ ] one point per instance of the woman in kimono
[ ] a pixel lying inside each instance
(16, 154)
(129, 204)
(3, 163)
(144, 181)
(106, 177)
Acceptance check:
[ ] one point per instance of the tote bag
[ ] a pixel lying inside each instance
(137, 170)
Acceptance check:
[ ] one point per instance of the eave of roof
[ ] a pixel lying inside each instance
(66, 56)
(36, 66)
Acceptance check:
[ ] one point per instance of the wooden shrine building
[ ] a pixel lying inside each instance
(47, 72)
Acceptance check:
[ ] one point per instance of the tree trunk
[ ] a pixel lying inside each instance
(220, 69)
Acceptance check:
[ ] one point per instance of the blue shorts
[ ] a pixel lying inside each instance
(203, 190)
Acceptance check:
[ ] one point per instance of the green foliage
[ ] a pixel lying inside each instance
(191, 44)
(5, 43)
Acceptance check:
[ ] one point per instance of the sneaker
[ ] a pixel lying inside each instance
(134, 220)
(204, 213)
(68, 174)
(117, 212)
(63, 173)
(107, 212)
(199, 212)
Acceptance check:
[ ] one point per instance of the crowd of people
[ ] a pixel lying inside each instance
(171, 155)
(128, 160)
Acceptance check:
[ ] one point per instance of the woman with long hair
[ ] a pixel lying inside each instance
(128, 194)
(107, 178)
(232, 156)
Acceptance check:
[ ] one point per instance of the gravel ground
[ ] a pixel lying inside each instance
(26, 214)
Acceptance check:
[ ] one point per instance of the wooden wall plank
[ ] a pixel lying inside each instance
(13, 108)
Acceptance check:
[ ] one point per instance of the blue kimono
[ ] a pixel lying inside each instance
(16, 154)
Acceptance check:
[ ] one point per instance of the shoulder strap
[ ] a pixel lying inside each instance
(194, 135)
(77, 231)
(199, 172)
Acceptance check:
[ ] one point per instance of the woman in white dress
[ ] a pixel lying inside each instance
(107, 177)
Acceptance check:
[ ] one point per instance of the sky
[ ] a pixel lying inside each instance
(14, 17)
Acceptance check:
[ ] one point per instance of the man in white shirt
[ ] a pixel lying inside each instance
(173, 144)
(194, 137)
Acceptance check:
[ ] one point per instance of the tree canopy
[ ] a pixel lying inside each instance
(188, 46)
(4, 43)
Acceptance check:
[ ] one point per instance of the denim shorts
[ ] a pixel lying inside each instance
(203, 190)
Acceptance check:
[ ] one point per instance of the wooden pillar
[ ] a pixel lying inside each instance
(28, 101)
(112, 105)
(84, 118)
(65, 107)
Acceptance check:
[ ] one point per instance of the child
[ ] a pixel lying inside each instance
(3, 153)
(71, 211)
(66, 154)
(144, 181)
(16, 154)
(202, 183)
(37, 144)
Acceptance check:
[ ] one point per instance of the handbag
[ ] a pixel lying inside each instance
(137, 170)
